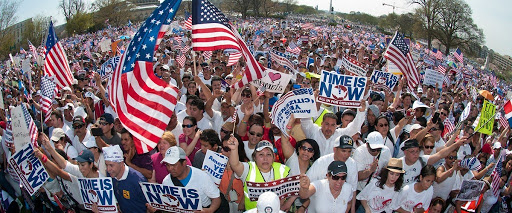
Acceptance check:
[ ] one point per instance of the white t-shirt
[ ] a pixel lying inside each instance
(324, 202)
(412, 171)
(378, 199)
(408, 198)
(364, 159)
(293, 163)
(79, 146)
(200, 181)
(463, 151)
(248, 151)
(70, 151)
(444, 188)
(318, 170)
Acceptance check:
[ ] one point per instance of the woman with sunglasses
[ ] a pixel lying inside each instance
(189, 139)
(248, 106)
(390, 136)
(416, 196)
(427, 145)
(447, 175)
(328, 195)
(379, 193)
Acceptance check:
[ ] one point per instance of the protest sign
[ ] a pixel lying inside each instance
(299, 102)
(1, 99)
(29, 168)
(432, 77)
(283, 188)
(341, 90)
(488, 112)
(353, 66)
(392, 68)
(171, 198)
(99, 191)
(273, 81)
(383, 80)
(214, 164)
(20, 131)
(470, 190)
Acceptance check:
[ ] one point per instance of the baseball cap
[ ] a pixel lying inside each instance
(85, 156)
(375, 140)
(486, 148)
(165, 67)
(496, 145)
(268, 202)
(410, 143)
(337, 167)
(113, 153)
(375, 110)
(57, 134)
(409, 127)
(346, 142)
(264, 144)
(420, 90)
(173, 155)
(395, 165)
(107, 117)
(78, 120)
(90, 143)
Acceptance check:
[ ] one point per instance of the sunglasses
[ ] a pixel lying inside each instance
(78, 126)
(187, 125)
(254, 133)
(246, 95)
(103, 123)
(442, 113)
(226, 149)
(310, 150)
(452, 157)
(225, 131)
(376, 150)
(428, 147)
(383, 125)
(339, 177)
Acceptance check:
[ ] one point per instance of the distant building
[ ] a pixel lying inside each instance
(18, 30)
(142, 9)
(502, 62)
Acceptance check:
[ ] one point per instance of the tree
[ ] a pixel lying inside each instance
(72, 7)
(288, 5)
(455, 26)
(115, 11)
(241, 6)
(80, 23)
(428, 12)
(35, 30)
(8, 9)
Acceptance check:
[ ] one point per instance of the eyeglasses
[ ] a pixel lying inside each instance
(247, 95)
(103, 123)
(78, 126)
(187, 125)
(428, 147)
(376, 150)
(442, 113)
(383, 125)
(257, 134)
(226, 149)
(225, 131)
(339, 177)
(310, 150)
(452, 157)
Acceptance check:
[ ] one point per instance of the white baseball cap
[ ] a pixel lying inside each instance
(173, 155)
(113, 153)
(268, 202)
(496, 145)
(375, 140)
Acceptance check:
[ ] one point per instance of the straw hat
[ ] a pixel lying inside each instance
(395, 165)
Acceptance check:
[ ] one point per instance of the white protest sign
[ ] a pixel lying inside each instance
(99, 191)
(283, 188)
(29, 168)
(273, 81)
(2, 98)
(171, 198)
(470, 190)
(25, 65)
(383, 80)
(19, 128)
(353, 66)
(432, 77)
(299, 102)
(392, 68)
(105, 45)
(341, 90)
(214, 164)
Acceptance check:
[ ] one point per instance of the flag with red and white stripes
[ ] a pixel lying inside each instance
(307, 26)
(181, 59)
(144, 102)
(233, 58)
(48, 89)
(496, 174)
(398, 53)
(188, 22)
(32, 129)
(32, 48)
(293, 48)
(281, 59)
(502, 120)
(449, 126)
(211, 31)
(441, 69)
(458, 55)
(207, 55)
(56, 62)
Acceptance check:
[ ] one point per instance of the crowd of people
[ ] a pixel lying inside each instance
(395, 153)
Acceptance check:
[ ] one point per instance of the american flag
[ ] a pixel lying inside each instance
(281, 59)
(185, 48)
(441, 69)
(207, 55)
(448, 127)
(143, 102)
(32, 129)
(188, 22)
(56, 62)
(108, 67)
(233, 58)
(398, 53)
(458, 55)
(32, 48)
(437, 53)
(22, 51)
(307, 26)
(48, 88)
(496, 173)
(293, 48)
(211, 30)
(21, 87)
(501, 119)
(181, 59)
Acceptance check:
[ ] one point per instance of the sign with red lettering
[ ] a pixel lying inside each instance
(283, 188)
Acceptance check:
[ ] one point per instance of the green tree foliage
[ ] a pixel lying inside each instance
(80, 23)
(35, 31)
(428, 13)
(115, 11)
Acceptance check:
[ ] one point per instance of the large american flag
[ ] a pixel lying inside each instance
(449, 126)
(143, 102)
(211, 30)
(32, 129)
(458, 55)
(48, 88)
(188, 21)
(398, 53)
(233, 58)
(56, 62)
(496, 173)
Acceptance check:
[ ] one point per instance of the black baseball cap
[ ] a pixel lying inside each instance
(346, 142)
(337, 167)
(411, 143)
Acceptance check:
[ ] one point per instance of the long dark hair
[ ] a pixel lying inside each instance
(426, 171)
(242, 157)
(383, 178)
(313, 143)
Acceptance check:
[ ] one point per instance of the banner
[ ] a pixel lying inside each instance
(353, 66)
(171, 198)
(273, 81)
(488, 112)
(341, 90)
(470, 190)
(383, 80)
(432, 77)
(214, 164)
(29, 168)
(20, 131)
(283, 188)
(99, 191)
(299, 102)
(392, 68)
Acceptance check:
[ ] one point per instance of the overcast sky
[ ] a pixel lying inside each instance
(490, 15)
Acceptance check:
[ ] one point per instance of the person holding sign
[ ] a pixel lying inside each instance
(331, 194)
(262, 169)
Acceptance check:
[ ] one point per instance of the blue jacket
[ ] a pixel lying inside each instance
(128, 192)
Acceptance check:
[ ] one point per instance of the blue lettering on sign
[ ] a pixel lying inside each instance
(21, 156)
(188, 203)
(355, 85)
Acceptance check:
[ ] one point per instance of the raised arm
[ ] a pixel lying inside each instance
(306, 188)
(242, 127)
(51, 166)
(206, 91)
(405, 120)
(59, 160)
(445, 152)
(234, 160)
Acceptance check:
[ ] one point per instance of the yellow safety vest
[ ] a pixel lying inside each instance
(318, 121)
(254, 175)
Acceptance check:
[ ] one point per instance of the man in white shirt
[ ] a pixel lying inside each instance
(371, 157)
(82, 134)
(57, 120)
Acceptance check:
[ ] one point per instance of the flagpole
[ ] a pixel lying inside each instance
(491, 118)
(194, 72)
